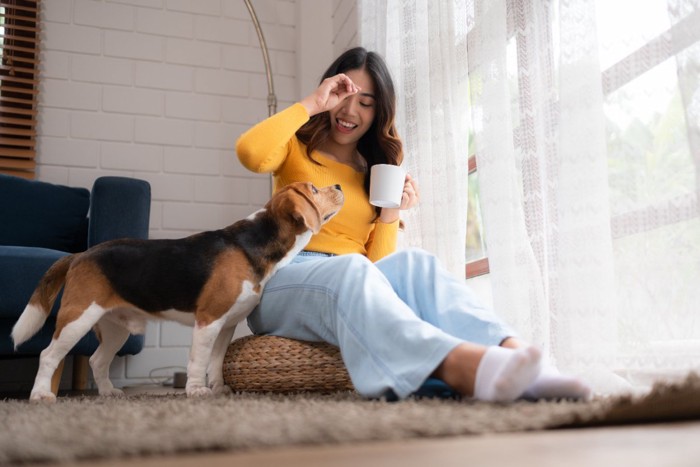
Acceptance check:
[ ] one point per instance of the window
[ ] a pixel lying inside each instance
(646, 117)
(643, 105)
(19, 86)
(651, 107)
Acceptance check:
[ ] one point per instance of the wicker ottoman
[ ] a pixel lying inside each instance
(281, 365)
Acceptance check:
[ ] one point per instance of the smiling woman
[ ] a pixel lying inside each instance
(350, 120)
(365, 106)
(360, 302)
(337, 134)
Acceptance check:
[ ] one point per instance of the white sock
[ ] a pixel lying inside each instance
(551, 384)
(504, 374)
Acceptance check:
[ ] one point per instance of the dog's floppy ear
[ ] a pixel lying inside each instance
(307, 215)
(293, 204)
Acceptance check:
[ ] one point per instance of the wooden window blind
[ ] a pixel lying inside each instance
(19, 86)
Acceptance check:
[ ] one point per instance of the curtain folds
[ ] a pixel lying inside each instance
(424, 44)
(587, 136)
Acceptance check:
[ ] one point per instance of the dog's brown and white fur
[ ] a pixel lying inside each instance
(211, 280)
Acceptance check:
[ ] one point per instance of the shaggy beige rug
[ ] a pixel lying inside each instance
(93, 427)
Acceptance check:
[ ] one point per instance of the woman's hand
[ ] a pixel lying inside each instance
(409, 199)
(329, 93)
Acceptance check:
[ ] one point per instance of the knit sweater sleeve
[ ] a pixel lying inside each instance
(265, 146)
(382, 240)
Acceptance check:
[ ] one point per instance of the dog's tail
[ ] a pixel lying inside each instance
(41, 302)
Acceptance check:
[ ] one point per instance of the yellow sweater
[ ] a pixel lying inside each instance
(271, 146)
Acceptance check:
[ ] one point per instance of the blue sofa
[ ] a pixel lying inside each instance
(41, 222)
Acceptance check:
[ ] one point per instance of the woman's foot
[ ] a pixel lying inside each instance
(504, 374)
(490, 373)
(551, 384)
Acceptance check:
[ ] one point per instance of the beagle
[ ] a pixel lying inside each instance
(211, 280)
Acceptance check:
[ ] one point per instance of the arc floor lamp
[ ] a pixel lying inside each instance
(271, 98)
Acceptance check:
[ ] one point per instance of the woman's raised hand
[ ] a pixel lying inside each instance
(329, 94)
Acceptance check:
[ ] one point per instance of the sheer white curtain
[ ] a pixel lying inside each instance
(587, 134)
(587, 138)
(424, 44)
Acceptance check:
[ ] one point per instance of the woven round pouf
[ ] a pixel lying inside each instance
(281, 365)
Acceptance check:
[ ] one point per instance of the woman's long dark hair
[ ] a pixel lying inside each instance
(381, 143)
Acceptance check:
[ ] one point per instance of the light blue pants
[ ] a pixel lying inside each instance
(394, 321)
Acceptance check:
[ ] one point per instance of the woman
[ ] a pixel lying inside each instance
(398, 318)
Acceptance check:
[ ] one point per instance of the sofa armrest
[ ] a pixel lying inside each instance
(120, 207)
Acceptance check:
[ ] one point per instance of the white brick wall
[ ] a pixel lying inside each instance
(345, 26)
(160, 90)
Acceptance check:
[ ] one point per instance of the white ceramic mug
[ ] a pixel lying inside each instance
(386, 185)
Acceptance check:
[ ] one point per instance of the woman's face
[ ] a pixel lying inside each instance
(354, 115)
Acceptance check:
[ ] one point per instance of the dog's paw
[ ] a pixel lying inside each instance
(45, 397)
(114, 392)
(220, 389)
(199, 392)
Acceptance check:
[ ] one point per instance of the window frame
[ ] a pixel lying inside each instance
(480, 266)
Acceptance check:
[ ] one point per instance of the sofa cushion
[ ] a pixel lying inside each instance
(21, 268)
(40, 214)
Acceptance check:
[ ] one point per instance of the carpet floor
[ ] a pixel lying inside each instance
(81, 428)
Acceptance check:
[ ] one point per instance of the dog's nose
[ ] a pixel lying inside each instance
(337, 187)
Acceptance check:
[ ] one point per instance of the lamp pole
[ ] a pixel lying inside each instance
(271, 98)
